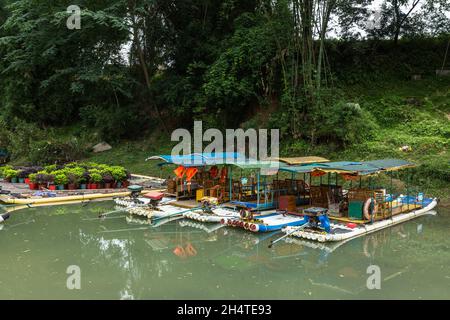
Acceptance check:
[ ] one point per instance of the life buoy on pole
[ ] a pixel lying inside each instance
(368, 209)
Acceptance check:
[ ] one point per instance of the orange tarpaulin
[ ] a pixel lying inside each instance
(190, 173)
(179, 172)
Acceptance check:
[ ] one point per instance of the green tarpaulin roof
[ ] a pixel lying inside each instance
(355, 167)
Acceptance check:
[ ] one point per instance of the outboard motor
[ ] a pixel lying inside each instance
(4, 217)
(135, 192)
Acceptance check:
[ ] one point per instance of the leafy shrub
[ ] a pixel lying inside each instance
(391, 111)
(61, 179)
(10, 173)
(43, 152)
(118, 173)
(113, 123)
(96, 177)
(3, 169)
(346, 124)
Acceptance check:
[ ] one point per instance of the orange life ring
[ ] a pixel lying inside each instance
(366, 210)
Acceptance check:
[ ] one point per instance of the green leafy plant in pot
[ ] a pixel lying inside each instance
(96, 178)
(108, 180)
(22, 174)
(84, 179)
(11, 175)
(3, 170)
(33, 184)
(61, 180)
(119, 174)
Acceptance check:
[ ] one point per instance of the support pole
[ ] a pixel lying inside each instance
(392, 194)
(231, 183)
(257, 195)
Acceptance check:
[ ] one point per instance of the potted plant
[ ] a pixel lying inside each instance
(126, 183)
(11, 175)
(60, 180)
(22, 174)
(96, 178)
(51, 181)
(42, 179)
(119, 174)
(73, 180)
(84, 179)
(32, 184)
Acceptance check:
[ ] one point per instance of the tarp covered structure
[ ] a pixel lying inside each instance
(356, 168)
(202, 159)
(292, 161)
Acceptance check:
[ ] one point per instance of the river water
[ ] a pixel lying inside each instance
(120, 258)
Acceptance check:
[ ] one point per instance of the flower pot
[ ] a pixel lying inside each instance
(42, 186)
(52, 187)
(21, 180)
(71, 186)
(14, 180)
(60, 187)
(83, 186)
(125, 184)
(33, 186)
(94, 186)
(119, 185)
(107, 185)
(27, 181)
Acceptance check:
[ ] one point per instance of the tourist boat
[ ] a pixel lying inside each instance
(340, 231)
(367, 209)
(215, 216)
(198, 177)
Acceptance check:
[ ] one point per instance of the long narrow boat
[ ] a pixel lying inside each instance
(266, 222)
(340, 231)
(214, 216)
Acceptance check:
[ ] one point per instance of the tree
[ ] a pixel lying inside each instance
(412, 17)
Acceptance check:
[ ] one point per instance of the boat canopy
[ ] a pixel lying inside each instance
(202, 159)
(355, 168)
(293, 161)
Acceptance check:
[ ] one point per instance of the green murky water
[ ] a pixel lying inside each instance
(121, 259)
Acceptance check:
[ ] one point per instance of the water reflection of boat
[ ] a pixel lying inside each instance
(202, 226)
(369, 245)
(154, 223)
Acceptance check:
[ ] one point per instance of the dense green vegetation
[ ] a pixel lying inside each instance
(138, 69)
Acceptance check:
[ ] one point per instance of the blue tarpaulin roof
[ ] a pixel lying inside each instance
(203, 159)
(355, 167)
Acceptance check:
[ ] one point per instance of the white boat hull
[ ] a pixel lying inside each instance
(216, 217)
